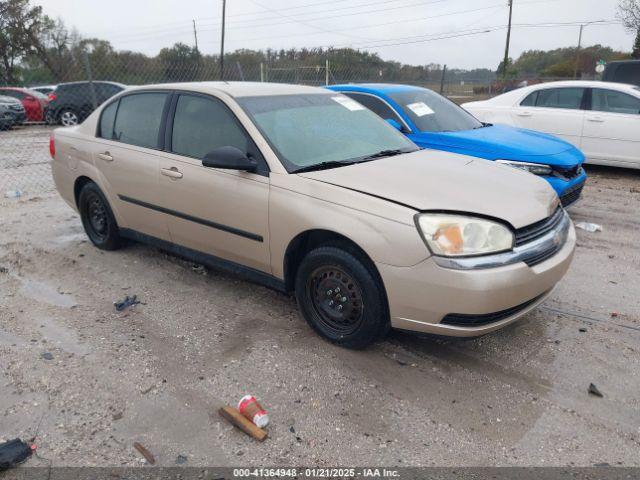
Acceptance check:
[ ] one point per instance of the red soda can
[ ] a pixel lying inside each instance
(251, 409)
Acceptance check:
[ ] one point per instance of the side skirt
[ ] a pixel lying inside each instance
(247, 273)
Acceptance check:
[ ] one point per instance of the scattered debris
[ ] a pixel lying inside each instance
(126, 303)
(17, 193)
(117, 416)
(234, 417)
(145, 453)
(589, 227)
(201, 269)
(14, 452)
(582, 330)
(593, 390)
(4, 270)
(250, 408)
(614, 314)
(47, 356)
(148, 389)
(181, 459)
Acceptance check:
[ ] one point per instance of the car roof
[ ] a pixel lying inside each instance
(237, 89)
(376, 87)
(85, 82)
(514, 95)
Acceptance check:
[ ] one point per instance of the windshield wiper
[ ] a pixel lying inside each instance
(324, 166)
(383, 153)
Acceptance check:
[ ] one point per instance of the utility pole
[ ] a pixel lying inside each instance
(506, 49)
(195, 35)
(575, 70)
(224, 5)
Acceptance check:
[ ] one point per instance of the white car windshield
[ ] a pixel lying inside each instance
(319, 130)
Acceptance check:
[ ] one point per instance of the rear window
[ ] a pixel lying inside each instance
(139, 118)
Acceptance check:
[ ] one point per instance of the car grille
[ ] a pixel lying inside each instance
(569, 173)
(18, 107)
(466, 320)
(571, 195)
(536, 230)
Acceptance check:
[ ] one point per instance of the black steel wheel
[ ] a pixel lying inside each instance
(336, 298)
(97, 218)
(341, 296)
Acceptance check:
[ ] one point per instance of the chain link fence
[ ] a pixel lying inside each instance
(24, 155)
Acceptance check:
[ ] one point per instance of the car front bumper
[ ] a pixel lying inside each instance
(570, 190)
(433, 299)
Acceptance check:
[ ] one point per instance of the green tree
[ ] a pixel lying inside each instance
(629, 13)
(181, 63)
(20, 26)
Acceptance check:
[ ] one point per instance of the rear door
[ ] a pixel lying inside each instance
(224, 213)
(612, 128)
(127, 152)
(558, 111)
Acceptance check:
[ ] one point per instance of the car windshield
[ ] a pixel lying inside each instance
(322, 130)
(431, 112)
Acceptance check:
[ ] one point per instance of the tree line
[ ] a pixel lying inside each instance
(36, 49)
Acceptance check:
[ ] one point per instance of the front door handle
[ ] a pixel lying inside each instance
(106, 156)
(524, 114)
(172, 172)
(595, 119)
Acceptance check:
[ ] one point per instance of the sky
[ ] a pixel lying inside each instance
(460, 33)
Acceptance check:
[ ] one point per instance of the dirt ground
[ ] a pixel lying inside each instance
(89, 381)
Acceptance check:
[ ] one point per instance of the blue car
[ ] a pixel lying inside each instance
(432, 121)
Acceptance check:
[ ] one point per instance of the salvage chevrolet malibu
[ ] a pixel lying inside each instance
(306, 191)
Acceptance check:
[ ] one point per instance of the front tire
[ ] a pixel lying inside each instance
(97, 218)
(340, 295)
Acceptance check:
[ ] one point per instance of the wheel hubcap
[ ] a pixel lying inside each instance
(69, 118)
(336, 298)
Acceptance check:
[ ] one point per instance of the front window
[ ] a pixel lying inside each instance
(310, 130)
(614, 102)
(431, 112)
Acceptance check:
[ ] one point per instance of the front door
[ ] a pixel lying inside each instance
(611, 131)
(224, 213)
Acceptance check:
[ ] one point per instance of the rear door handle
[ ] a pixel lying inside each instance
(106, 156)
(524, 114)
(172, 172)
(595, 119)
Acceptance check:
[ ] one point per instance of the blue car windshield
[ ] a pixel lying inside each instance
(431, 112)
(321, 129)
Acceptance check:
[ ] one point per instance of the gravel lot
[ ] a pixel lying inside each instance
(158, 372)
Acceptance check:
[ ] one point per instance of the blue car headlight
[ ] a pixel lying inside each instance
(535, 168)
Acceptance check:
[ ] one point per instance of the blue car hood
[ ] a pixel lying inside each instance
(503, 142)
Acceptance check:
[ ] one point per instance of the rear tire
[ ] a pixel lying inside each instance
(340, 295)
(97, 218)
(69, 117)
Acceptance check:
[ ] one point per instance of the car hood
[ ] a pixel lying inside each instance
(434, 180)
(504, 142)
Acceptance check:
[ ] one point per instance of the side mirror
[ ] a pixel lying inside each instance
(230, 158)
(395, 124)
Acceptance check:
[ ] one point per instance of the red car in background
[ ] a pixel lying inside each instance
(34, 102)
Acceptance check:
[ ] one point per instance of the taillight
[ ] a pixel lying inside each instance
(52, 97)
(52, 146)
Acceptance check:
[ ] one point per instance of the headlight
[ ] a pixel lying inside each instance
(535, 168)
(457, 235)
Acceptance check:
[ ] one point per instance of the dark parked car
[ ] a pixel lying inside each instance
(71, 103)
(11, 112)
(623, 71)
